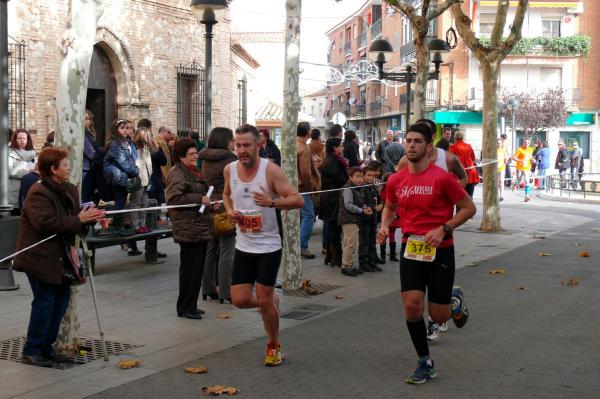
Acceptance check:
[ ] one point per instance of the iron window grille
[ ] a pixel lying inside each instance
(191, 109)
(16, 84)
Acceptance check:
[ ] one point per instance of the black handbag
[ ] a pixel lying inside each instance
(133, 184)
(74, 272)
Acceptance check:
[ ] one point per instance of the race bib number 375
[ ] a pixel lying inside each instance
(418, 249)
(250, 222)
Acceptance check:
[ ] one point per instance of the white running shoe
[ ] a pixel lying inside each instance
(444, 327)
(433, 331)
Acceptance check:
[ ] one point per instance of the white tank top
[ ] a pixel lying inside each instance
(440, 162)
(257, 231)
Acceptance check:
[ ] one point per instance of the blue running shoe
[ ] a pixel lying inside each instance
(425, 371)
(460, 313)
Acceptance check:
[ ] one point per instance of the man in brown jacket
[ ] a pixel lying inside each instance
(307, 180)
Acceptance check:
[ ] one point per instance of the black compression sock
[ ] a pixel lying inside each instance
(418, 335)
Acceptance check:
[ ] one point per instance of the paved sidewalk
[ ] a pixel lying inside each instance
(538, 342)
(137, 303)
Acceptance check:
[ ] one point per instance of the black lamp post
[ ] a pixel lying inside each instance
(4, 205)
(208, 13)
(381, 51)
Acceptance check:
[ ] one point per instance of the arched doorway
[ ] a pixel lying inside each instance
(102, 94)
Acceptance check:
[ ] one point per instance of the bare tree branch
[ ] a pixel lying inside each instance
(499, 23)
(404, 8)
(463, 24)
(517, 25)
(441, 9)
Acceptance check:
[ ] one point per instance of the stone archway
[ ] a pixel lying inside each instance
(128, 98)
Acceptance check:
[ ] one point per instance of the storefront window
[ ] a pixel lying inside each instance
(581, 138)
(533, 138)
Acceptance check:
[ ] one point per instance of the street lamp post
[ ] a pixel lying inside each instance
(208, 13)
(381, 51)
(513, 104)
(4, 205)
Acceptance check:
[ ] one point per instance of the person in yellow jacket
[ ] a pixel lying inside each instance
(523, 157)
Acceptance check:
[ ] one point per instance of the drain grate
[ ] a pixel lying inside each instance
(323, 287)
(11, 349)
(305, 311)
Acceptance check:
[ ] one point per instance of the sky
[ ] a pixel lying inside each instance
(318, 16)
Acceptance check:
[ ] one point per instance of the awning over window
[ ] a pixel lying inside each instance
(581, 118)
(458, 117)
(546, 4)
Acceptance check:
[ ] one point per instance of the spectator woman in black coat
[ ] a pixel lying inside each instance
(351, 148)
(267, 147)
(333, 175)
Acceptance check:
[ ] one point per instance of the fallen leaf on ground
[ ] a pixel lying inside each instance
(129, 364)
(339, 297)
(584, 254)
(570, 281)
(539, 236)
(498, 271)
(577, 244)
(224, 316)
(521, 287)
(472, 264)
(219, 389)
(543, 254)
(196, 370)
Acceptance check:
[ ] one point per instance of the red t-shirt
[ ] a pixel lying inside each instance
(424, 200)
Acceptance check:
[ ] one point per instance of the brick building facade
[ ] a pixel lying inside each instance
(148, 62)
(456, 98)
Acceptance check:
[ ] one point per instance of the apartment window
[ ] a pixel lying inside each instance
(407, 35)
(551, 78)
(312, 109)
(395, 44)
(320, 109)
(486, 24)
(355, 31)
(551, 28)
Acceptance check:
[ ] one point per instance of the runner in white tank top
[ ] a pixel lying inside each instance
(254, 189)
(440, 162)
(257, 231)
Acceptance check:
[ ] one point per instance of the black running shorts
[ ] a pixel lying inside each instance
(436, 278)
(250, 268)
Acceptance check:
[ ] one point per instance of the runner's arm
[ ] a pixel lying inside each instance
(465, 212)
(456, 169)
(290, 198)
(231, 212)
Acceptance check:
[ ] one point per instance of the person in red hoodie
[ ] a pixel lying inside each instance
(466, 156)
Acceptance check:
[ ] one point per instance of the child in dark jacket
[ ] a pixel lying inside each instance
(352, 208)
(367, 254)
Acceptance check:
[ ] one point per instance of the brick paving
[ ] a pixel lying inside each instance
(537, 342)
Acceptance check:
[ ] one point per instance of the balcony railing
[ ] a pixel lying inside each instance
(431, 98)
(376, 29)
(572, 96)
(357, 111)
(375, 108)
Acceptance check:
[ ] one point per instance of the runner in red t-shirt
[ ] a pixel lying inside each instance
(424, 196)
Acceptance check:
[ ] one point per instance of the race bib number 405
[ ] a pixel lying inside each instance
(418, 249)
(250, 222)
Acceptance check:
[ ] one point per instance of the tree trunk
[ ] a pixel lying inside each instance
(422, 53)
(292, 270)
(491, 216)
(77, 47)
